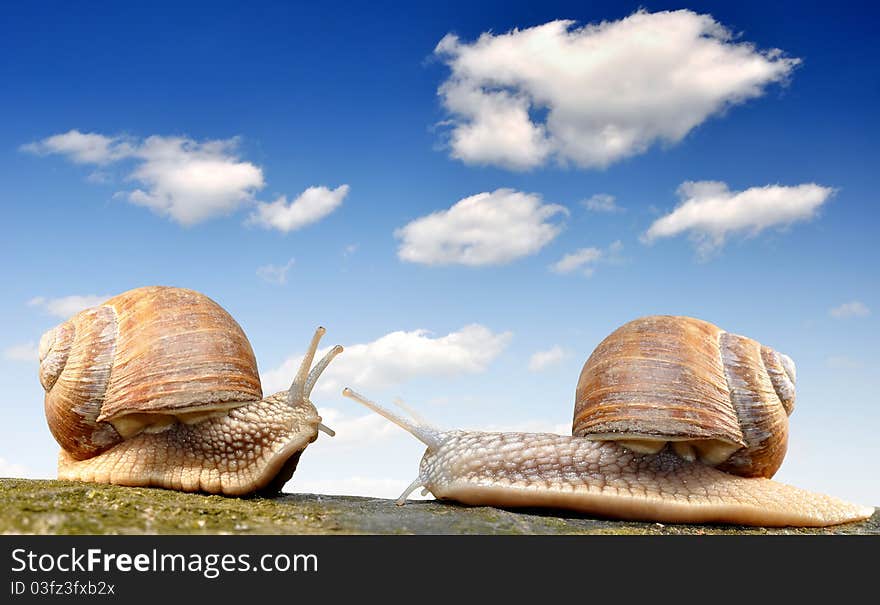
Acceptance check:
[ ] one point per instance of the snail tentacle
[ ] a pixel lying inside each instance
(426, 434)
(297, 391)
(319, 369)
(416, 484)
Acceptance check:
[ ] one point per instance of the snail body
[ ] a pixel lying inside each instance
(159, 387)
(618, 470)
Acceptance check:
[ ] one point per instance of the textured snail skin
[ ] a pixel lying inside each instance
(605, 479)
(252, 448)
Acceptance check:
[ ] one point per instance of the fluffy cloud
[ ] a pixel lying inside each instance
(275, 274)
(66, 306)
(855, 308)
(191, 181)
(484, 229)
(186, 180)
(400, 356)
(27, 351)
(541, 360)
(586, 259)
(602, 202)
(608, 91)
(310, 206)
(710, 212)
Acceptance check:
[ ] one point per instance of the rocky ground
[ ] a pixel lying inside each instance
(61, 507)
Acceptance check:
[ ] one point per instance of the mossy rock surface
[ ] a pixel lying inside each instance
(63, 507)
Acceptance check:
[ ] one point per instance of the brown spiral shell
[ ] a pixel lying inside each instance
(140, 361)
(714, 395)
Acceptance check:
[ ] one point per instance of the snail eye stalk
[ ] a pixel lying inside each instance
(426, 434)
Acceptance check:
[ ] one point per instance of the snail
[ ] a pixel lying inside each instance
(158, 386)
(675, 421)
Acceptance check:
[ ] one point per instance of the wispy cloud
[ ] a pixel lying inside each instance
(82, 147)
(400, 356)
(275, 274)
(586, 259)
(186, 180)
(66, 306)
(310, 206)
(855, 308)
(602, 202)
(710, 212)
(490, 228)
(541, 360)
(26, 351)
(576, 260)
(599, 86)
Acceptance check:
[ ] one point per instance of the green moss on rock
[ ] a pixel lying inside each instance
(63, 507)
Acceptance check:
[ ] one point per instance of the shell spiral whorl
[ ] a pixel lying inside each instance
(143, 357)
(75, 371)
(714, 395)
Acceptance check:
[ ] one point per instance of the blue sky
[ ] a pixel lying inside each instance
(230, 148)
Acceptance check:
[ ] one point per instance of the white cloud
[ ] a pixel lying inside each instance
(26, 351)
(610, 90)
(586, 259)
(855, 308)
(398, 357)
(9, 469)
(67, 306)
(350, 249)
(489, 228)
(542, 360)
(576, 260)
(191, 181)
(711, 212)
(602, 202)
(82, 147)
(275, 274)
(186, 180)
(310, 206)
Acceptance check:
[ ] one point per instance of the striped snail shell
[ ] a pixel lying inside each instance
(142, 359)
(716, 396)
(159, 386)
